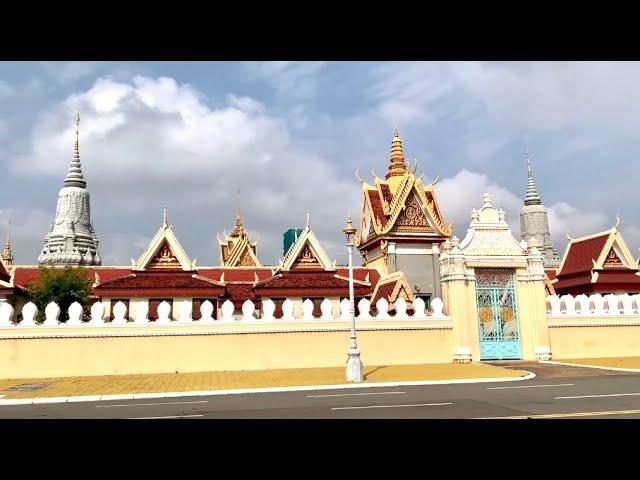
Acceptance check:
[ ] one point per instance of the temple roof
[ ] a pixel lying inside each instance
(392, 287)
(400, 203)
(159, 283)
(238, 249)
(602, 258)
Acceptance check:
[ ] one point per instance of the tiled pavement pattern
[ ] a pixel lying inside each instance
(199, 381)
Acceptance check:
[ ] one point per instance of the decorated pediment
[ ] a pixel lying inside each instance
(306, 259)
(164, 252)
(164, 258)
(412, 217)
(612, 259)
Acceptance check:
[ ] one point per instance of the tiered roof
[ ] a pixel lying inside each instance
(400, 204)
(238, 249)
(597, 263)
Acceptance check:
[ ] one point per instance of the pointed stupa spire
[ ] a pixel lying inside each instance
(238, 228)
(532, 197)
(165, 223)
(7, 254)
(397, 164)
(74, 176)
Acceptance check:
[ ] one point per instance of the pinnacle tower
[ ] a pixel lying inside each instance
(534, 222)
(7, 253)
(71, 239)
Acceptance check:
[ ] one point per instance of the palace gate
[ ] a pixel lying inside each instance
(497, 314)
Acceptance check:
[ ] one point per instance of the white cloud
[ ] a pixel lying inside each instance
(153, 141)
(28, 228)
(69, 72)
(289, 79)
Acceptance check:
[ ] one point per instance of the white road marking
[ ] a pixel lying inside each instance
(533, 386)
(599, 396)
(157, 418)
(149, 404)
(393, 406)
(354, 394)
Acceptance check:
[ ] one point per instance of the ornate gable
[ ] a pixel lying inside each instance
(615, 253)
(307, 252)
(238, 249)
(164, 258)
(412, 218)
(612, 259)
(164, 252)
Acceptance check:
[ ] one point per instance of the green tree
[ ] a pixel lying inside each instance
(63, 286)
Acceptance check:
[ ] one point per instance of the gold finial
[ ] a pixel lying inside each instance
(308, 218)
(7, 254)
(164, 217)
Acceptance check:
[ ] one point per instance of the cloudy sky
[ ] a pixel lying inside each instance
(290, 136)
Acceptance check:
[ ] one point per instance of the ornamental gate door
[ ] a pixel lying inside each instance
(497, 314)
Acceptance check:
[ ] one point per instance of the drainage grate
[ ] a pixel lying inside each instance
(27, 387)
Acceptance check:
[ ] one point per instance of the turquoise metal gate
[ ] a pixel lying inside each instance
(497, 314)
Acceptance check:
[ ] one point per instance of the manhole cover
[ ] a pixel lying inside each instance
(27, 387)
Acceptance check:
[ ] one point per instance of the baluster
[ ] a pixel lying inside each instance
(75, 312)
(248, 308)
(437, 306)
(364, 306)
(419, 309)
(268, 309)
(401, 308)
(97, 314)
(287, 310)
(52, 314)
(206, 312)
(6, 314)
(119, 312)
(345, 309)
(326, 308)
(29, 312)
(227, 311)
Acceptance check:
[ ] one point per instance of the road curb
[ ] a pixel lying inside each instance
(635, 370)
(238, 391)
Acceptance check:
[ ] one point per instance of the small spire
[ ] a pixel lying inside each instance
(397, 164)
(532, 197)
(7, 254)
(164, 217)
(238, 229)
(308, 218)
(74, 175)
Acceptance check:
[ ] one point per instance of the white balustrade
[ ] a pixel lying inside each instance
(51, 314)
(636, 303)
(345, 309)
(584, 302)
(611, 301)
(627, 304)
(598, 304)
(97, 314)
(75, 314)
(29, 312)
(268, 309)
(6, 314)
(227, 311)
(382, 309)
(142, 312)
(554, 300)
(419, 309)
(326, 308)
(569, 304)
(436, 308)
(119, 314)
(185, 311)
(247, 311)
(287, 310)
(206, 312)
(364, 306)
(307, 309)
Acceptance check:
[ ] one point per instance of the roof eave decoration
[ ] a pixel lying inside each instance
(615, 239)
(164, 233)
(241, 246)
(400, 281)
(307, 237)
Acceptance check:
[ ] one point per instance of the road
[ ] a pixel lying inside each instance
(556, 392)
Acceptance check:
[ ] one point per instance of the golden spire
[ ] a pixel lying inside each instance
(238, 229)
(397, 165)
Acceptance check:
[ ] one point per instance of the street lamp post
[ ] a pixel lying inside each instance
(354, 364)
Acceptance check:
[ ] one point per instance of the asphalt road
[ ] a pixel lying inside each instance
(556, 392)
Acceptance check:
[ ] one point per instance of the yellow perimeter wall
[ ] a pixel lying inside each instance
(170, 352)
(594, 337)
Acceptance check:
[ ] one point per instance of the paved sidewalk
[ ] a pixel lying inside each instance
(632, 363)
(230, 380)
